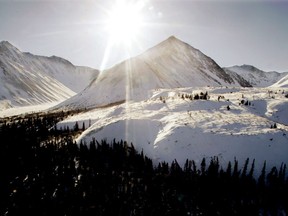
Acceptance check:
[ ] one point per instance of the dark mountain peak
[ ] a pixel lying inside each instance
(61, 60)
(5, 43)
(6, 46)
(250, 67)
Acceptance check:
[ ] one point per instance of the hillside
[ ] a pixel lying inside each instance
(282, 83)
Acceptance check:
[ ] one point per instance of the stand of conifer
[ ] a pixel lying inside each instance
(43, 172)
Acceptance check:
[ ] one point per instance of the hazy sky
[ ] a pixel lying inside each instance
(231, 32)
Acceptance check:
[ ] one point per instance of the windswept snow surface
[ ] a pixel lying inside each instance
(27, 79)
(181, 128)
(170, 64)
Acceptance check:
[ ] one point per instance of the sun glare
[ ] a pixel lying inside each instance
(125, 21)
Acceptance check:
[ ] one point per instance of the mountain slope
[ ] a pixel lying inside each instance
(282, 83)
(170, 64)
(243, 82)
(27, 79)
(255, 76)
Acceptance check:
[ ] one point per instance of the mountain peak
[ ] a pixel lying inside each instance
(6, 46)
(250, 67)
(170, 46)
(173, 39)
(5, 43)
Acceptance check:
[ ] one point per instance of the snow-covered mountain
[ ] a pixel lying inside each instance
(27, 79)
(170, 64)
(255, 76)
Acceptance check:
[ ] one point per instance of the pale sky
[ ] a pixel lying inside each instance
(229, 31)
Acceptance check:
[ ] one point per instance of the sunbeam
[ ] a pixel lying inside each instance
(125, 21)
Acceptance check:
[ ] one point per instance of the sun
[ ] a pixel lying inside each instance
(125, 21)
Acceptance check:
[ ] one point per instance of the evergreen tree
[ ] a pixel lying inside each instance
(188, 166)
(194, 170)
(229, 169)
(203, 167)
(261, 179)
(236, 172)
(76, 126)
(244, 172)
(251, 172)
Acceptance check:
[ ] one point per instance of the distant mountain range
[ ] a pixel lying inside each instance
(254, 76)
(27, 79)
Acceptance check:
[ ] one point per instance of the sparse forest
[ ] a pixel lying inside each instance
(44, 172)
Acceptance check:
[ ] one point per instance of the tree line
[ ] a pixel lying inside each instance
(44, 172)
